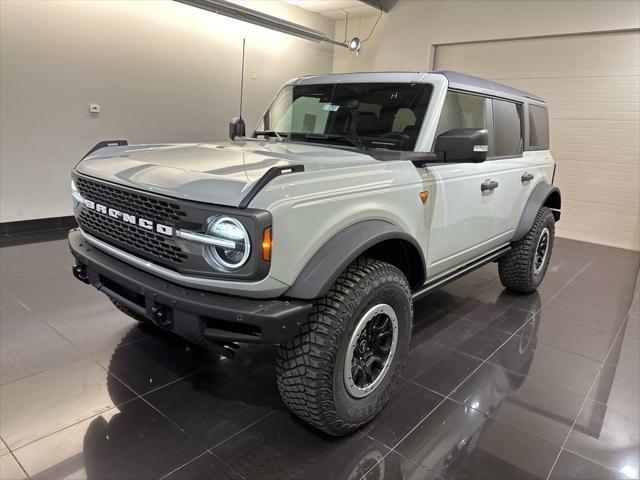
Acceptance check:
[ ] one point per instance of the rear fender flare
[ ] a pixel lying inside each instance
(542, 195)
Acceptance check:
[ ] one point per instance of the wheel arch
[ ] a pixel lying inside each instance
(543, 195)
(377, 239)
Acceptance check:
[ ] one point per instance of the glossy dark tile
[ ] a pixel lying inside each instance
(586, 314)
(607, 437)
(562, 334)
(437, 369)
(157, 360)
(619, 389)
(42, 404)
(101, 333)
(406, 408)
(63, 347)
(458, 334)
(574, 467)
(522, 402)
(281, 447)
(131, 441)
(29, 346)
(211, 407)
(33, 237)
(524, 354)
(394, 466)
(456, 441)
(206, 466)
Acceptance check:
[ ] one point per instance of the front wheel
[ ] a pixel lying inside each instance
(340, 370)
(524, 267)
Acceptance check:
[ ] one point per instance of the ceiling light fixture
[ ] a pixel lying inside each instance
(354, 45)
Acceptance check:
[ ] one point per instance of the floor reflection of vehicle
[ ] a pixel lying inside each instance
(111, 446)
(454, 430)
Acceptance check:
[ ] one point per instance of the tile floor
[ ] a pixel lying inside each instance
(497, 385)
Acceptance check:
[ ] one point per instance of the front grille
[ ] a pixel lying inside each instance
(131, 236)
(130, 202)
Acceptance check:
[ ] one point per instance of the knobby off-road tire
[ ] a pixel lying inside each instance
(311, 366)
(522, 269)
(127, 311)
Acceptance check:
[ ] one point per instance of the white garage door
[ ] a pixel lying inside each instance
(592, 84)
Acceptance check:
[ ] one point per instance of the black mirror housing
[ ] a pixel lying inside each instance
(463, 145)
(237, 128)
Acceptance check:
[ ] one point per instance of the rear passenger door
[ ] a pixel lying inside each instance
(506, 166)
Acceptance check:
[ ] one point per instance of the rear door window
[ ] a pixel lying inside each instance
(507, 129)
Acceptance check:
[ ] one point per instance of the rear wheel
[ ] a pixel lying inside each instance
(524, 267)
(344, 364)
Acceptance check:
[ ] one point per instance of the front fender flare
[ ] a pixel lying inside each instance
(542, 194)
(326, 265)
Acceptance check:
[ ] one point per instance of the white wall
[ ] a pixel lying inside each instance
(405, 38)
(160, 70)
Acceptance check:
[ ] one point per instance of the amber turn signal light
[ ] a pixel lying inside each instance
(266, 245)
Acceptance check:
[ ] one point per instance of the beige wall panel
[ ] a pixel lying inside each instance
(161, 71)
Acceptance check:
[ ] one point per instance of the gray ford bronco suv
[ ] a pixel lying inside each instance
(355, 196)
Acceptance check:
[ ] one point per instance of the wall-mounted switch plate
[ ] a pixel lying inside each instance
(94, 108)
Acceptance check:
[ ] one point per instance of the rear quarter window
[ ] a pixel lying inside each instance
(538, 127)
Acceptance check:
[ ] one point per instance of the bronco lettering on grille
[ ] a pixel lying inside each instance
(128, 218)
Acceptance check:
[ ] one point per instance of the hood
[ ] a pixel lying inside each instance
(214, 173)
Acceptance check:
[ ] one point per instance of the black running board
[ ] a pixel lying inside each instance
(470, 267)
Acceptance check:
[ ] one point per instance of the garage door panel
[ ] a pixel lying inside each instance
(569, 85)
(595, 181)
(599, 107)
(599, 123)
(603, 167)
(628, 215)
(560, 146)
(592, 85)
(602, 141)
(613, 133)
(592, 115)
(617, 179)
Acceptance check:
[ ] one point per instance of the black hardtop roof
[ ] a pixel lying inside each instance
(462, 81)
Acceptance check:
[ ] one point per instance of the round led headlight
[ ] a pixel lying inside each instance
(228, 258)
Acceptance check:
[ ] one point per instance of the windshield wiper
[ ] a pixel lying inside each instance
(356, 142)
(272, 133)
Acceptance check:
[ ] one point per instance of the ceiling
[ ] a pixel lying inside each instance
(335, 8)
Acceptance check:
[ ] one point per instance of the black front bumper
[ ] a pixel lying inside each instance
(197, 315)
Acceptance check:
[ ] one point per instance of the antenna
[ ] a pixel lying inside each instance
(237, 126)
(242, 76)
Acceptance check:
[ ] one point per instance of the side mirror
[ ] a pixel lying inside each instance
(236, 128)
(463, 145)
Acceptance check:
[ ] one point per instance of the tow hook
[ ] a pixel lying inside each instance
(161, 316)
(80, 272)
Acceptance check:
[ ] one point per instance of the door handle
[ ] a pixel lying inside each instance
(488, 185)
(526, 177)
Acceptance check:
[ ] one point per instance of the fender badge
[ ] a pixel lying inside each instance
(424, 196)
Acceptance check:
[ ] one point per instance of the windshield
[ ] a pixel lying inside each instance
(362, 115)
